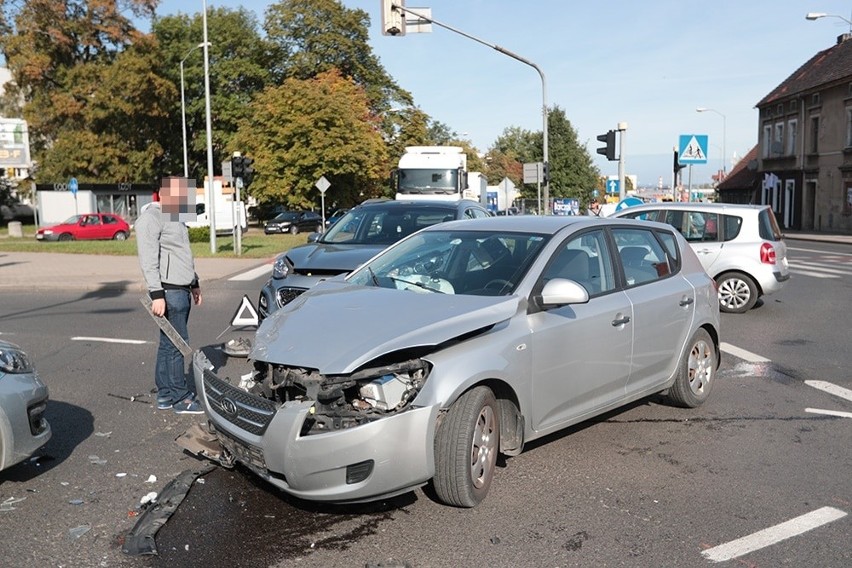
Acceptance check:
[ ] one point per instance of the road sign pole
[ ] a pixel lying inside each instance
(622, 132)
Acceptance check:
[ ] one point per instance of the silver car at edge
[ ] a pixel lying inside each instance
(23, 401)
(462, 341)
(740, 246)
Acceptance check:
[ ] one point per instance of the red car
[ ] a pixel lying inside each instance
(88, 226)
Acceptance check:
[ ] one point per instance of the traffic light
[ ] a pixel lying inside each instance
(248, 171)
(677, 165)
(237, 167)
(393, 19)
(609, 149)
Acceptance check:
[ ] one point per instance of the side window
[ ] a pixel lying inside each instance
(643, 258)
(469, 214)
(584, 259)
(642, 215)
(732, 226)
(672, 250)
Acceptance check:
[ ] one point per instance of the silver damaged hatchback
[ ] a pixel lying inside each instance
(462, 341)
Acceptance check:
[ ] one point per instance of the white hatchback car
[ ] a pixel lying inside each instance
(740, 246)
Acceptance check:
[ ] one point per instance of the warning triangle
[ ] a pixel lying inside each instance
(246, 314)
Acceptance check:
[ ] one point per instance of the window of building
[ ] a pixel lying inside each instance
(813, 136)
(815, 100)
(767, 139)
(848, 127)
(778, 139)
(792, 135)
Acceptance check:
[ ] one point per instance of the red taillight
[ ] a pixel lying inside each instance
(767, 253)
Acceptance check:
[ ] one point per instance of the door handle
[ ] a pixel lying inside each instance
(686, 301)
(620, 321)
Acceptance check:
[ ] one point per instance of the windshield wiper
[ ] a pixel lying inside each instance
(418, 284)
(374, 278)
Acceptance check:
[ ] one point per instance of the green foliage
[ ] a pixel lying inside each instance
(199, 234)
(572, 173)
(305, 129)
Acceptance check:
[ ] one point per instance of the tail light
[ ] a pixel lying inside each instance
(767, 253)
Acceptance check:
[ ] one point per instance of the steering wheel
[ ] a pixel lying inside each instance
(497, 283)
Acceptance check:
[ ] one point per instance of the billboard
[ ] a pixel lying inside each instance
(14, 143)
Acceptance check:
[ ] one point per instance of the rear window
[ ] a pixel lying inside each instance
(768, 226)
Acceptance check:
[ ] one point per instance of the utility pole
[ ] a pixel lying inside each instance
(622, 190)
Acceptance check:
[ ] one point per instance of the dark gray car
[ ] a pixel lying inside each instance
(359, 235)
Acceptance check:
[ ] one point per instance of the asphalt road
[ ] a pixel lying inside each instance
(649, 485)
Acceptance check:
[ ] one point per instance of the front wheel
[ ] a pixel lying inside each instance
(737, 293)
(466, 447)
(66, 237)
(696, 372)
(294, 230)
(120, 236)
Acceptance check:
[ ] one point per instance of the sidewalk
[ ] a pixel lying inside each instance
(50, 271)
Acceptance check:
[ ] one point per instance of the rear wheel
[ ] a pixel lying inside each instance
(120, 236)
(737, 292)
(66, 237)
(696, 372)
(319, 227)
(294, 230)
(466, 447)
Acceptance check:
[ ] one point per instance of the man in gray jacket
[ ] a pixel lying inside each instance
(169, 271)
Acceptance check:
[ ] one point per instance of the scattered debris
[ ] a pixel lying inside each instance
(77, 532)
(140, 540)
(121, 475)
(134, 398)
(96, 460)
(148, 498)
(64, 483)
(200, 480)
(199, 440)
(103, 434)
(237, 347)
(151, 479)
(495, 540)
(76, 502)
(7, 504)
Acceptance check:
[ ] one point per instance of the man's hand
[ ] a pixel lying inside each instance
(196, 296)
(158, 307)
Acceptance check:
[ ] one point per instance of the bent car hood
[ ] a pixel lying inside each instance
(337, 327)
(337, 257)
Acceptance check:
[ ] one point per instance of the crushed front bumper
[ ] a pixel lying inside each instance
(380, 459)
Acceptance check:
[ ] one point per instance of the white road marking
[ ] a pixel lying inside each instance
(819, 267)
(831, 389)
(742, 353)
(110, 340)
(251, 274)
(773, 535)
(837, 413)
(813, 274)
(820, 251)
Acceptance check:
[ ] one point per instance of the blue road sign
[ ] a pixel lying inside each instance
(612, 186)
(73, 186)
(628, 202)
(692, 149)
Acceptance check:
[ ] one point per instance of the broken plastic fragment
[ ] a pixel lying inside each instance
(148, 498)
(77, 532)
(120, 474)
(103, 434)
(7, 504)
(96, 460)
(76, 501)
(151, 479)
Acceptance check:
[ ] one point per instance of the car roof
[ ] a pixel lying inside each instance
(414, 204)
(544, 224)
(719, 207)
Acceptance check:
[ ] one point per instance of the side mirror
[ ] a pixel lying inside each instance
(560, 291)
(314, 237)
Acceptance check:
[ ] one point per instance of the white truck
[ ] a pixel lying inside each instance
(436, 173)
(229, 212)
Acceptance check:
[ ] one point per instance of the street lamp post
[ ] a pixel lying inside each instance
(211, 201)
(183, 109)
(817, 15)
(724, 136)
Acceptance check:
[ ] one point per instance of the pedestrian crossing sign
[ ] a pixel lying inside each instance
(692, 149)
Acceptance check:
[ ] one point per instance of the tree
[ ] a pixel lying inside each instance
(305, 129)
(506, 158)
(572, 172)
(239, 69)
(310, 37)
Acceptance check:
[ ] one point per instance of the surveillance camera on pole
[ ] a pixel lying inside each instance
(393, 19)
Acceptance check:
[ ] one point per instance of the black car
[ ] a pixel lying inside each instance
(294, 222)
(356, 237)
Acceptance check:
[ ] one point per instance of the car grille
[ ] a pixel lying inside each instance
(244, 410)
(246, 453)
(287, 295)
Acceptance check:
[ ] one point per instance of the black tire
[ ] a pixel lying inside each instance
(466, 447)
(294, 230)
(66, 237)
(319, 228)
(696, 372)
(737, 292)
(120, 236)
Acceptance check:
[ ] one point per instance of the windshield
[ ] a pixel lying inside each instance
(286, 216)
(384, 225)
(72, 220)
(479, 263)
(428, 181)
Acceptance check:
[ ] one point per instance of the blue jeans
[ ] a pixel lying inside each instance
(170, 372)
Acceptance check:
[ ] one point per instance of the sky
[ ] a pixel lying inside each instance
(648, 64)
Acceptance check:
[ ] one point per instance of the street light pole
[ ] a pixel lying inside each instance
(817, 15)
(183, 110)
(211, 203)
(513, 56)
(724, 136)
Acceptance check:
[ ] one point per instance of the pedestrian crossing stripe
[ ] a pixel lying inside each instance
(245, 315)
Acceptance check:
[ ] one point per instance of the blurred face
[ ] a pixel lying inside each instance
(177, 198)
